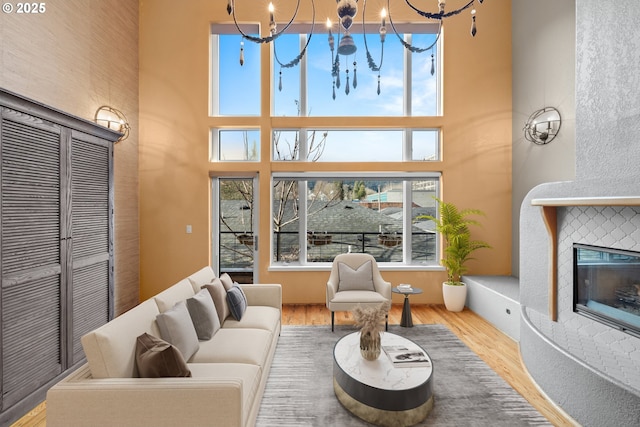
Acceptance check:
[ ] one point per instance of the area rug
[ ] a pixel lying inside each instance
(467, 392)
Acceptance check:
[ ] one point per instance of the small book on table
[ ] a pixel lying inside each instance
(406, 356)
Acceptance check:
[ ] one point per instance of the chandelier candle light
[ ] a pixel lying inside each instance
(347, 10)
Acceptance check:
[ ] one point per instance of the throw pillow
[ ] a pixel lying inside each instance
(156, 358)
(360, 279)
(219, 295)
(203, 315)
(227, 282)
(237, 302)
(177, 328)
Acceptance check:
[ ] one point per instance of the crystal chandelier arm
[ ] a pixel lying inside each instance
(370, 61)
(440, 15)
(410, 47)
(297, 59)
(232, 11)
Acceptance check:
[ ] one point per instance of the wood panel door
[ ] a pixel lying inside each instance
(31, 254)
(90, 239)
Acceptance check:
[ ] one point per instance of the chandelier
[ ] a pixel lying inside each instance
(346, 11)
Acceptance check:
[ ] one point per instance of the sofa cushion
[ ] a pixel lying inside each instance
(170, 296)
(237, 302)
(227, 281)
(256, 317)
(219, 295)
(177, 328)
(360, 279)
(201, 277)
(110, 349)
(236, 346)
(156, 358)
(203, 314)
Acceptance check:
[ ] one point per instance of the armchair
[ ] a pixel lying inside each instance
(355, 280)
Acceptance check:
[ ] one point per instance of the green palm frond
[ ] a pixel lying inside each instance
(453, 225)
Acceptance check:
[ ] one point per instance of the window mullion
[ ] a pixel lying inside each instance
(303, 79)
(302, 220)
(406, 108)
(407, 221)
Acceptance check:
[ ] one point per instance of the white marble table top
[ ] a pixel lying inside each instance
(379, 373)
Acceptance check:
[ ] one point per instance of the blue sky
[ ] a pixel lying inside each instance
(239, 88)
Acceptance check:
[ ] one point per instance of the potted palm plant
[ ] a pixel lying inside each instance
(453, 225)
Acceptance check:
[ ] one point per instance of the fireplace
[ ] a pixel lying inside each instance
(607, 286)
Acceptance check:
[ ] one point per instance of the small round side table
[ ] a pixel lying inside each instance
(406, 320)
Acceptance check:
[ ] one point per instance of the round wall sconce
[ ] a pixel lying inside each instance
(113, 119)
(542, 126)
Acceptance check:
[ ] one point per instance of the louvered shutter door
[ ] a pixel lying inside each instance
(30, 255)
(90, 235)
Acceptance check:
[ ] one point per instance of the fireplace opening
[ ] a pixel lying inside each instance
(606, 286)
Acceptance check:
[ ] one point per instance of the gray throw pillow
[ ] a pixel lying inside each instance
(203, 315)
(237, 302)
(156, 358)
(360, 279)
(177, 328)
(219, 296)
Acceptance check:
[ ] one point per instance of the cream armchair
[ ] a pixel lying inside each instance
(355, 280)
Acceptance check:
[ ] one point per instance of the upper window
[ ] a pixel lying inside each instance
(388, 81)
(403, 86)
(235, 87)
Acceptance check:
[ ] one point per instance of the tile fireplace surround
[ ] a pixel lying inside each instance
(589, 369)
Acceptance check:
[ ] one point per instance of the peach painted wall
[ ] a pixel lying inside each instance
(76, 56)
(174, 143)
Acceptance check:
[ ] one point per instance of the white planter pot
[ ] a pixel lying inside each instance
(454, 296)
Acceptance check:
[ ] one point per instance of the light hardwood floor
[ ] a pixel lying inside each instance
(498, 350)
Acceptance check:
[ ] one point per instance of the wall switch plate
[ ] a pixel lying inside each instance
(189, 229)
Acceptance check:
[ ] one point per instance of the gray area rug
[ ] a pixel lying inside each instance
(467, 392)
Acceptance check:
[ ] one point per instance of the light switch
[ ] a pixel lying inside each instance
(188, 228)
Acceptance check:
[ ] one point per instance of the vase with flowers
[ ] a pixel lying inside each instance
(370, 320)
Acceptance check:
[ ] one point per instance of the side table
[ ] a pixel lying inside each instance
(406, 320)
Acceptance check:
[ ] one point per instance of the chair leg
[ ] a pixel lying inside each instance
(332, 320)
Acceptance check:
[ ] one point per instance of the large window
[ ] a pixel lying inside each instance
(388, 126)
(317, 216)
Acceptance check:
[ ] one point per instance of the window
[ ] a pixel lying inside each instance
(317, 211)
(406, 84)
(356, 145)
(235, 145)
(235, 88)
(317, 216)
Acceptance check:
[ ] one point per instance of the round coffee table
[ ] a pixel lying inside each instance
(377, 391)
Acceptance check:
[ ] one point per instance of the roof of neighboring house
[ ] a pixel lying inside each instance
(334, 217)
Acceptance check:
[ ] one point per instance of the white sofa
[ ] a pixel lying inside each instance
(229, 371)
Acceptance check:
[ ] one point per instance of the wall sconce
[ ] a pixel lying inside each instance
(542, 126)
(113, 119)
